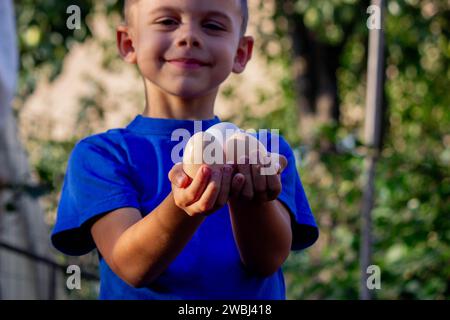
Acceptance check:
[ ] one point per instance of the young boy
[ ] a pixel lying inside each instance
(161, 235)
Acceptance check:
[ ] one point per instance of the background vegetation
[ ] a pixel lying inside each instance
(329, 39)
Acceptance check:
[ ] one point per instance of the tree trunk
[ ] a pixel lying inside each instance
(23, 224)
(315, 65)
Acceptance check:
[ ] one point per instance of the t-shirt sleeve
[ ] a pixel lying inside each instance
(97, 181)
(304, 227)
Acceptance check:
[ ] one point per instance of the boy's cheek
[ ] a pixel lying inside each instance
(147, 62)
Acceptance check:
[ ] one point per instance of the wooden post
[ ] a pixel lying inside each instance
(27, 226)
(372, 136)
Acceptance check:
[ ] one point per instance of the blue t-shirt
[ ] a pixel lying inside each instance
(128, 167)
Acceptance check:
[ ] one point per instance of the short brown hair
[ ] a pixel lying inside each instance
(245, 16)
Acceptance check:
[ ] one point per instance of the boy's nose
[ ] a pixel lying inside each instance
(189, 38)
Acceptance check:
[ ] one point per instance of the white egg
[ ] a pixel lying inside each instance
(243, 144)
(222, 131)
(202, 148)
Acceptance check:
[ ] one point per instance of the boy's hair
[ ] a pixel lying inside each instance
(244, 9)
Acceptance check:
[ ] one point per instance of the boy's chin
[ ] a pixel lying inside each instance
(189, 93)
(185, 89)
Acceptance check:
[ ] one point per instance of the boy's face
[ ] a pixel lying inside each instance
(185, 47)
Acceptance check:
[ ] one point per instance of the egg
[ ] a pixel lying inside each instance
(222, 131)
(243, 144)
(202, 148)
(274, 159)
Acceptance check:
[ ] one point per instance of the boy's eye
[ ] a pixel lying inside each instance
(213, 26)
(167, 22)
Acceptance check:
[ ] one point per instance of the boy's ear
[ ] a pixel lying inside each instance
(125, 44)
(243, 54)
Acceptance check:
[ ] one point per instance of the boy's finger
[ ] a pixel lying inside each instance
(280, 160)
(283, 162)
(192, 193)
(222, 198)
(259, 180)
(209, 196)
(244, 169)
(237, 183)
(174, 172)
(273, 186)
(178, 177)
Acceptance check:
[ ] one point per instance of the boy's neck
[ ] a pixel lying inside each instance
(160, 104)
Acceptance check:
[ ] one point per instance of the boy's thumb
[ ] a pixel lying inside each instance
(177, 176)
(283, 162)
(181, 180)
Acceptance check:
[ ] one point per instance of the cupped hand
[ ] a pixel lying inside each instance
(210, 189)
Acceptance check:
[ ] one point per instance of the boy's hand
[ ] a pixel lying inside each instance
(261, 185)
(207, 192)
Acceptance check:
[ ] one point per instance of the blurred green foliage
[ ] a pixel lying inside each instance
(411, 222)
(411, 215)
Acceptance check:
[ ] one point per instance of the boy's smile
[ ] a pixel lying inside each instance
(187, 63)
(185, 48)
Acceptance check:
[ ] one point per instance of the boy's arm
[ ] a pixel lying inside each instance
(139, 249)
(262, 231)
(261, 223)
